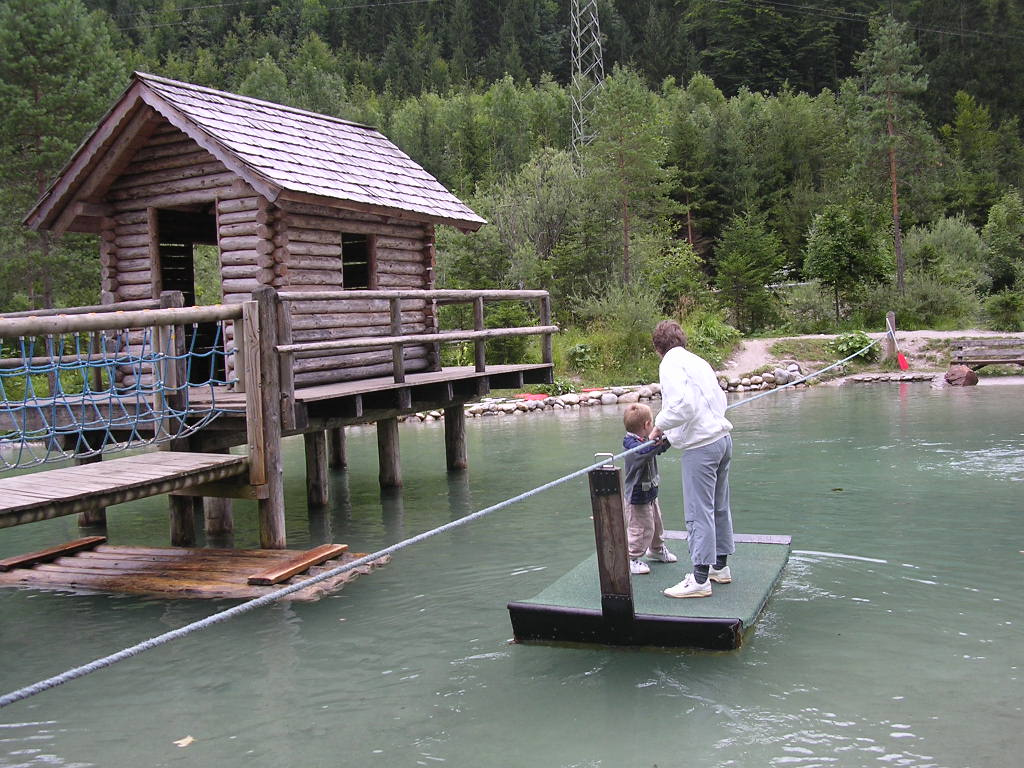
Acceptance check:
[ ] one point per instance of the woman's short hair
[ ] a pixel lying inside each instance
(668, 334)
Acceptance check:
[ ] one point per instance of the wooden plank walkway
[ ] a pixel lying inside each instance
(179, 572)
(70, 490)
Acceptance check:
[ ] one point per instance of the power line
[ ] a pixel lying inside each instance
(864, 18)
(233, 3)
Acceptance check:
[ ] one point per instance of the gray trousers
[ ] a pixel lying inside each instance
(706, 501)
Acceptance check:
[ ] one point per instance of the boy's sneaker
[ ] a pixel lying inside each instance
(661, 555)
(689, 587)
(637, 567)
(723, 576)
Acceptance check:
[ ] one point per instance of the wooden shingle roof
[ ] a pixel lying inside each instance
(280, 151)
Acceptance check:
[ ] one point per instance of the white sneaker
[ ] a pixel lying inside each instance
(663, 555)
(689, 587)
(638, 566)
(723, 576)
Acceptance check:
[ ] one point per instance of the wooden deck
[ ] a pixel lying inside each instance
(69, 490)
(181, 572)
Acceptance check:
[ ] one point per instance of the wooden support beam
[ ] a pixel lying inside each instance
(92, 518)
(455, 438)
(317, 486)
(612, 549)
(336, 442)
(479, 345)
(397, 355)
(271, 509)
(387, 453)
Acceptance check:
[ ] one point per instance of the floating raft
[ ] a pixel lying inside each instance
(177, 572)
(570, 610)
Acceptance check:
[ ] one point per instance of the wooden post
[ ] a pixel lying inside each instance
(268, 390)
(889, 345)
(317, 492)
(336, 444)
(218, 513)
(92, 518)
(479, 346)
(397, 350)
(286, 364)
(387, 453)
(546, 351)
(455, 438)
(612, 554)
(171, 343)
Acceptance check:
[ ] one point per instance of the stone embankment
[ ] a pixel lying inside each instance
(518, 406)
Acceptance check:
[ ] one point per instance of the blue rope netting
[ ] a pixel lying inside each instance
(267, 599)
(83, 394)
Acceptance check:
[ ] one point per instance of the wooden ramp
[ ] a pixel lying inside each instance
(570, 610)
(90, 565)
(70, 490)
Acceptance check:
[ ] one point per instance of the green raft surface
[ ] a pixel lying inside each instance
(569, 610)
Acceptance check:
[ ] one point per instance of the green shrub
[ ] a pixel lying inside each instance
(846, 344)
(709, 336)
(808, 309)
(1004, 311)
(927, 302)
(511, 349)
(557, 387)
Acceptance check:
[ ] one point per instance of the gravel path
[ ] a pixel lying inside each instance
(752, 354)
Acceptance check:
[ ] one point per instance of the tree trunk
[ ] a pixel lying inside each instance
(897, 235)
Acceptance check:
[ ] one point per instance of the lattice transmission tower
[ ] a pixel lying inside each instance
(587, 69)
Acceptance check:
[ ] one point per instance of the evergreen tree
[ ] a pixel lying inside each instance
(1004, 235)
(624, 162)
(748, 255)
(845, 250)
(59, 73)
(892, 78)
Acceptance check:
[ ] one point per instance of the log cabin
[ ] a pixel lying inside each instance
(323, 223)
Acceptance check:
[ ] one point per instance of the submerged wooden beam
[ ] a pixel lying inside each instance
(297, 564)
(51, 553)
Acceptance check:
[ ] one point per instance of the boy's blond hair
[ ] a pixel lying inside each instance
(636, 415)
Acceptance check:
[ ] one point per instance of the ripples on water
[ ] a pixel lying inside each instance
(892, 640)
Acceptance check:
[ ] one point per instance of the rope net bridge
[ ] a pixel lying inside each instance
(77, 386)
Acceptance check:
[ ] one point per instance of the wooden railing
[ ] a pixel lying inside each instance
(479, 335)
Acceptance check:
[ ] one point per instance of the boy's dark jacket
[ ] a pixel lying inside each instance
(642, 469)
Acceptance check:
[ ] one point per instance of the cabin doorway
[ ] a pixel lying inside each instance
(189, 263)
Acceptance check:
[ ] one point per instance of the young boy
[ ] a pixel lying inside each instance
(643, 516)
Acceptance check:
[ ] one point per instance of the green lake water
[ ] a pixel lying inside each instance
(894, 639)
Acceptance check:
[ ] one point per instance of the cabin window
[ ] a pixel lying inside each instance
(357, 267)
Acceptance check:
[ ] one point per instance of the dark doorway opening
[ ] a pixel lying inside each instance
(179, 233)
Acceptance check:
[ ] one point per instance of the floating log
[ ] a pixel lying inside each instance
(51, 553)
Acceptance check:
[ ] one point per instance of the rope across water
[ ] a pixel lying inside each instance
(259, 602)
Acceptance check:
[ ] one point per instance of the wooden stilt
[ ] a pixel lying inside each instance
(387, 452)
(271, 509)
(455, 438)
(316, 468)
(218, 513)
(183, 521)
(889, 345)
(336, 443)
(92, 518)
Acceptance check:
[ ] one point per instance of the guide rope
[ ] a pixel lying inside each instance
(259, 602)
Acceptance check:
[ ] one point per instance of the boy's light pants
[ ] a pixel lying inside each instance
(644, 528)
(706, 501)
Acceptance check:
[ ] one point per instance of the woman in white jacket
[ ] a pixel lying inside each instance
(692, 417)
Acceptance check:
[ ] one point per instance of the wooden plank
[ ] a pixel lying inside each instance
(286, 570)
(51, 553)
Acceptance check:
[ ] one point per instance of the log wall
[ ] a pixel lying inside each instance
(294, 246)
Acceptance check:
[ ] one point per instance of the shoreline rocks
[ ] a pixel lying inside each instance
(783, 375)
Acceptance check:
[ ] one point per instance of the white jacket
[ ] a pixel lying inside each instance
(692, 402)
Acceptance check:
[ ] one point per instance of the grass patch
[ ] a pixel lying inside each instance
(802, 349)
